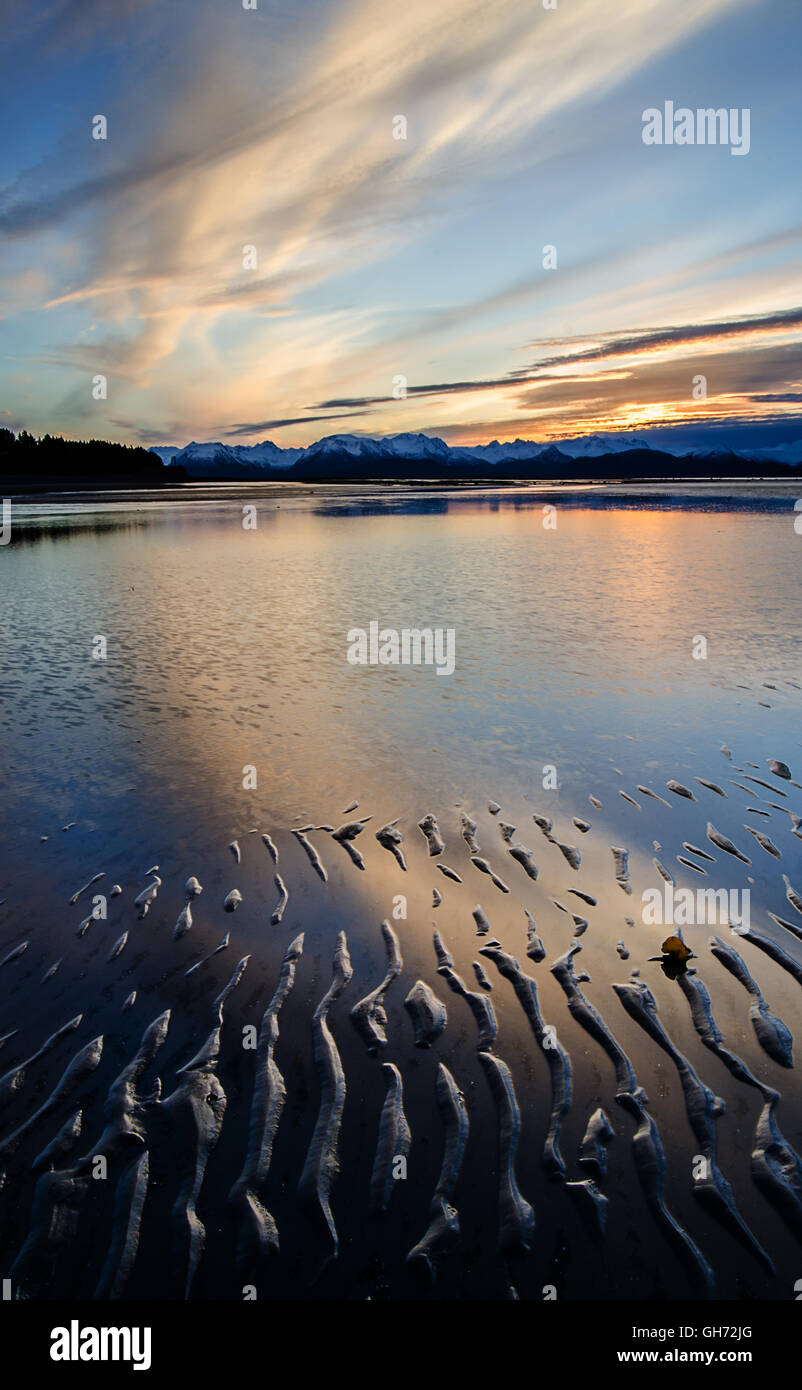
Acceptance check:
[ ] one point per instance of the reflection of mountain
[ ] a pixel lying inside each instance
(420, 456)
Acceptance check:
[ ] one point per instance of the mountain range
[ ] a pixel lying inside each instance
(422, 456)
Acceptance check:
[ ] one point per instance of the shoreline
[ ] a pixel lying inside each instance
(214, 490)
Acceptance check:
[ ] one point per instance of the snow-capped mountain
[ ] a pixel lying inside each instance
(583, 446)
(591, 446)
(415, 454)
(498, 453)
(354, 445)
(236, 461)
(392, 446)
(417, 446)
(713, 453)
(778, 453)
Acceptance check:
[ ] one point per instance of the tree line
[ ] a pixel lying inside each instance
(26, 459)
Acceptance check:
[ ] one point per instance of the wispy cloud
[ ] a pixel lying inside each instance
(375, 257)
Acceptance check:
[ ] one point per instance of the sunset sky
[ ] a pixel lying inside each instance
(379, 257)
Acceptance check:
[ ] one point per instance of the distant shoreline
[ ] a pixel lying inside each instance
(219, 490)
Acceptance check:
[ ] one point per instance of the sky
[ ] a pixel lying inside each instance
(252, 253)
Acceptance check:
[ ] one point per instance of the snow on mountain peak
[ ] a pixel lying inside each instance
(252, 460)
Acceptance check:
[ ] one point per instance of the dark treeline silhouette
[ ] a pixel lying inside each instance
(91, 463)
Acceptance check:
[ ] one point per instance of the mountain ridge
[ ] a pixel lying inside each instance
(416, 455)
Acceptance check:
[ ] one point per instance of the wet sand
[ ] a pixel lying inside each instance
(395, 1131)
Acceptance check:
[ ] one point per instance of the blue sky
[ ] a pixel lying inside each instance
(379, 258)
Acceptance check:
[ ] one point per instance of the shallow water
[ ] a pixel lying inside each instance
(226, 652)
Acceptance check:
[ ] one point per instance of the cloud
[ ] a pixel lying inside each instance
(611, 345)
(274, 128)
(259, 426)
(649, 340)
(779, 396)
